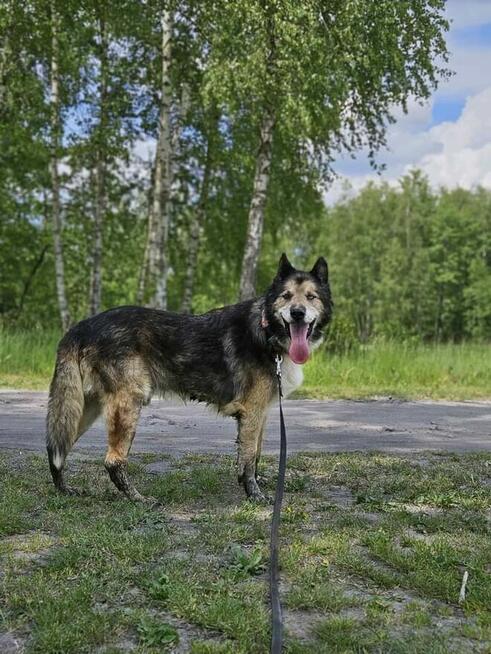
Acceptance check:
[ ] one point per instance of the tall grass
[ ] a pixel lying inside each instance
(459, 372)
(447, 371)
(27, 357)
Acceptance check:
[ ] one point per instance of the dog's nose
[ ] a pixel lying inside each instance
(298, 312)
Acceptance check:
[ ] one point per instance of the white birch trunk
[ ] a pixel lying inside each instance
(100, 178)
(145, 267)
(255, 222)
(150, 255)
(181, 109)
(55, 183)
(154, 214)
(195, 231)
(163, 176)
(4, 61)
(192, 259)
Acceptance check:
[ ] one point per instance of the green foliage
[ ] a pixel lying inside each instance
(382, 367)
(155, 633)
(247, 563)
(341, 336)
(331, 75)
(408, 262)
(314, 63)
(159, 588)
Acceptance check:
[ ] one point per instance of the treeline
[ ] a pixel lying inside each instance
(409, 262)
(163, 152)
(406, 262)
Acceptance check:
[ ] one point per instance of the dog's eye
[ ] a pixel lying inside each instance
(311, 296)
(287, 295)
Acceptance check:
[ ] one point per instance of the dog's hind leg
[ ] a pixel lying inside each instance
(122, 412)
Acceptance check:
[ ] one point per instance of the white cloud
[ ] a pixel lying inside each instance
(470, 54)
(464, 156)
(451, 153)
(472, 127)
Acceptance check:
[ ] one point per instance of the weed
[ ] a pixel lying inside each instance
(154, 633)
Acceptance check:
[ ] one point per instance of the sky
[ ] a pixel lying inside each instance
(449, 138)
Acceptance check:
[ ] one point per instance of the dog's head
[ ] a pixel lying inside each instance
(298, 306)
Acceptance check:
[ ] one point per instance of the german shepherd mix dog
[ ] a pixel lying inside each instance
(113, 363)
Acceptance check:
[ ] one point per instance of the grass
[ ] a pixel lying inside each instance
(447, 371)
(454, 372)
(27, 358)
(377, 568)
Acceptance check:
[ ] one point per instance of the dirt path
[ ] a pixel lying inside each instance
(330, 426)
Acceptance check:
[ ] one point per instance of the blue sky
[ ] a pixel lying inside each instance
(450, 137)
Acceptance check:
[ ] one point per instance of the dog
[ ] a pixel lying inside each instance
(114, 362)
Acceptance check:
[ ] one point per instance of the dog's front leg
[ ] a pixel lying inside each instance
(251, 424)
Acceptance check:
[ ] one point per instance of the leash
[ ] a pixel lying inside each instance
(274, 591)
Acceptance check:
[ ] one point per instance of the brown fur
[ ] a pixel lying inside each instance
(300, 294)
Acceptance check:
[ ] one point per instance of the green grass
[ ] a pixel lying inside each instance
(448, 371)
(27, 358)
(456, 372)
(378, 572)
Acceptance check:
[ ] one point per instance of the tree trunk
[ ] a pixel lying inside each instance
(192, 259)
(5, 60)
(154, 214)
(161, 199)
(150, 255)
(195, 232)
(258, 203)
(100, 177)
(144, 269)
(55, 182)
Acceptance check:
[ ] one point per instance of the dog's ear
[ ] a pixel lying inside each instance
(320, 270)
(285, 268)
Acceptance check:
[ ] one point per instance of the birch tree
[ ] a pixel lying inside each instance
(255, 223)
(55, 106)
(150, 242)
(100, 168)
(6, 24)
(326, 76)
(196, 230)
(152, 279)
(159, 260)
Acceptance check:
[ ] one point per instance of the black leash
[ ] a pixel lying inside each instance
(276, 619)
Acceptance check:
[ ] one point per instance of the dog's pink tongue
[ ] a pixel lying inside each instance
(299, 348)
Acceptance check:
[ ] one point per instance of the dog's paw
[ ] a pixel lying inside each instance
(258, 497)
(254, 493)
(149, 501)
(73, 492)
(152, 502)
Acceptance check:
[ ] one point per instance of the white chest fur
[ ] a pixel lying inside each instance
(291, 376)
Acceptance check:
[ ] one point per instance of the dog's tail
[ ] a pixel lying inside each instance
(65, 408)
